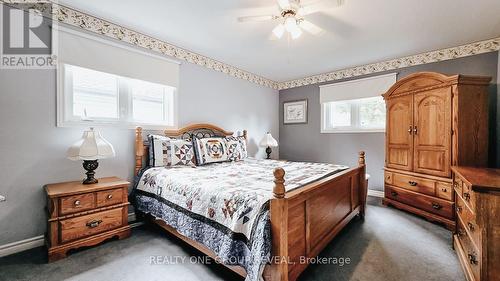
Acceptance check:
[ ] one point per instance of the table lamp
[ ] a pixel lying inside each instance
(90, 148)
(268, 141)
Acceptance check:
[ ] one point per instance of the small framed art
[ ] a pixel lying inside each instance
(295, 112)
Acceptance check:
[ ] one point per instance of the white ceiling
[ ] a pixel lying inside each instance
(360, 32)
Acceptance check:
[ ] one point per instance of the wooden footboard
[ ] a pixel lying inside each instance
(305, 220)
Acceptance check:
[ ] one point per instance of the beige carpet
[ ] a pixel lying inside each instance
(388, 245)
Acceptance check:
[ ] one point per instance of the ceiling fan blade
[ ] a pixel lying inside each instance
(272, 37)
(311, 27)
(320, 6)
(256, 18)
(284, 4)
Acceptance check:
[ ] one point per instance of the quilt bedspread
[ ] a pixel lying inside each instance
(230, 193)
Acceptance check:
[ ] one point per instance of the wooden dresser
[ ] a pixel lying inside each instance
(434, 121)
(477, 236)
(84, 215)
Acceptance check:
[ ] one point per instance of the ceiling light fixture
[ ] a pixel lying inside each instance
(291, 16)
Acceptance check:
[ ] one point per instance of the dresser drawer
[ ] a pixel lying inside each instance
(76, 203)
(430, 204)
(469, 196)
(468, 220)
(417, 184)
(109, 197)
(457, 185)
(472, 255)
(80, 227)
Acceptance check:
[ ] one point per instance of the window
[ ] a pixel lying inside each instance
(95, 94)
(355, 106)
(367, 114)
(96, 97)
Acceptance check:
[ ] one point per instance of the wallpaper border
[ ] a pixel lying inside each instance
(108, 29)
(466, 50)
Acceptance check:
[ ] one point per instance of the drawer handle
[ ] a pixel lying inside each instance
(413, 183)
(455, 185)
(394, 193)
(77, 203)
(460, 232)
(470, 226)
(444, 189)
(94, 223)
(458, 209)
(466, 196)
(110, 196)
(472, 259)
(436, 206)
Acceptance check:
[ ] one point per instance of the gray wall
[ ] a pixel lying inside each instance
(33, 148)
(305, 142)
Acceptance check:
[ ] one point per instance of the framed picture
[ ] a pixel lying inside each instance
(295, 112)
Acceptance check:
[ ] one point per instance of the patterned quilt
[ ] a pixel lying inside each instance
(229, 199)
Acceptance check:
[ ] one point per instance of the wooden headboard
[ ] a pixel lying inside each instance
(199, 130)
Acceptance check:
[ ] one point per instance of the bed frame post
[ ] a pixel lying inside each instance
(362, 183)
(245, 134)
(279, 228)
(139, 149)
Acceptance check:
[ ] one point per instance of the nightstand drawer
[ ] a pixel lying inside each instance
(109, 197)
(76, 203)
(80, 227)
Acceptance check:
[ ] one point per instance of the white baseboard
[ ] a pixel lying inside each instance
(375, 193)
(22, 245)
(38, 241)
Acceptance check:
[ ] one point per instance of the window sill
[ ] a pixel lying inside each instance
(325, 131)
(111, 124)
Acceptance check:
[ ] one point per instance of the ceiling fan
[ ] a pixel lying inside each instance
(291, 17)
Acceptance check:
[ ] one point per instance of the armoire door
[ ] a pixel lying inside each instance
(399, 139)
(432, 132)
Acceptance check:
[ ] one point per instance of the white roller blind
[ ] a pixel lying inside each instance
(89, 51)
(357, 89)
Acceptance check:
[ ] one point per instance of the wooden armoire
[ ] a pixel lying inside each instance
(434, 121)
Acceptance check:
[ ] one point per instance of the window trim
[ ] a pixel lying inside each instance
(63, 102)
(347, 130)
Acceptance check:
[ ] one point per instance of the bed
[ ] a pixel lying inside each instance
(285, 223)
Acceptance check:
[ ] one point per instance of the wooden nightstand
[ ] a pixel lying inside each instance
(85, 215)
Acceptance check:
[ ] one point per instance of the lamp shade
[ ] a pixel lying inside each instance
(92, 146)
(268, 141)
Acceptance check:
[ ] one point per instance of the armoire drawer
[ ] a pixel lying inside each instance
(413, 183)
(430, 204)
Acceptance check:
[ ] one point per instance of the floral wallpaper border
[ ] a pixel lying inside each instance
(480, 47)
(96, 25)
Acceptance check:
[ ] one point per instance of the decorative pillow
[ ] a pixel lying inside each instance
(159, 151)
(210, 150)
(236, 148)
(182, 152)
(164, 152)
